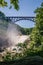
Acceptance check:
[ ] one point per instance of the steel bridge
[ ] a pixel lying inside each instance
(18, 18)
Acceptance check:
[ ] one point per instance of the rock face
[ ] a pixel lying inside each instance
(3, 44)
(3, 40)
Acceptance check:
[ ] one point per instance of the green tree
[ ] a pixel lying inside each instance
(14, 3)
(37, 32)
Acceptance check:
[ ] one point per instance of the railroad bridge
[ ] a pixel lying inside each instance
(18, 18)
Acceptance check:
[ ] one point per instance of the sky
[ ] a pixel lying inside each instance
(27, 8)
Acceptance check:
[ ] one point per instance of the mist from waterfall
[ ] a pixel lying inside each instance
(13, 34)
(8, 35)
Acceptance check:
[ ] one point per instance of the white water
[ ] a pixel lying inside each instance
(18, 39)
(22, 38)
